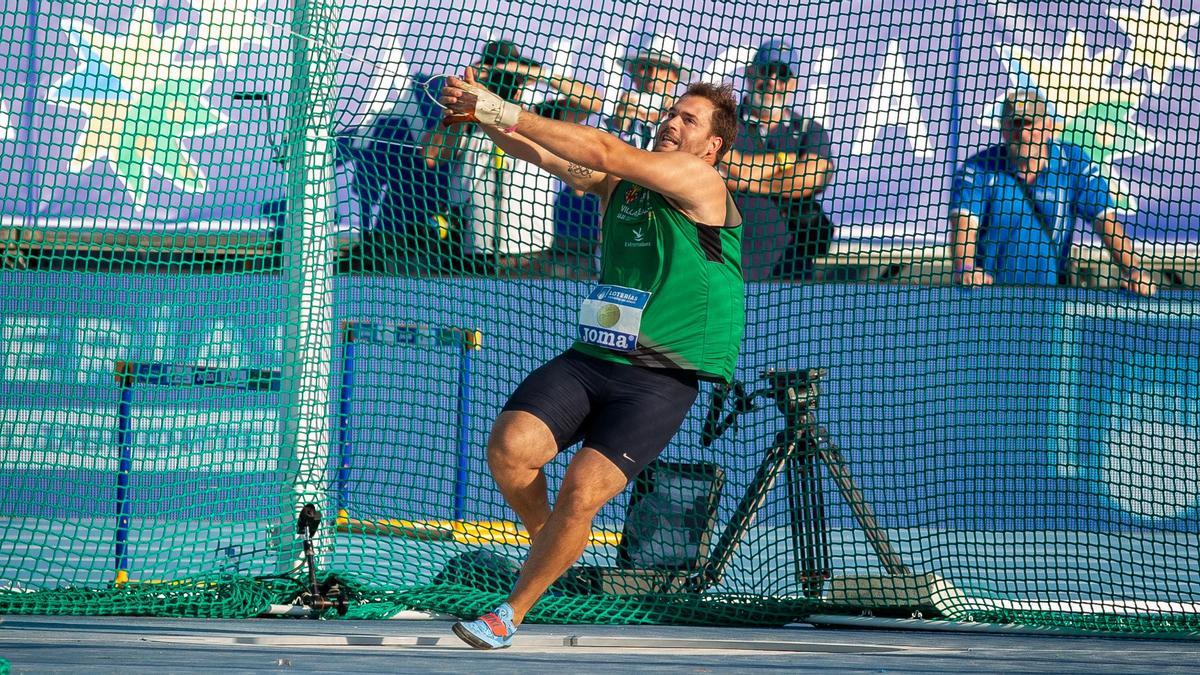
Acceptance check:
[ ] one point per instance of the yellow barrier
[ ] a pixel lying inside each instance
(461, 531)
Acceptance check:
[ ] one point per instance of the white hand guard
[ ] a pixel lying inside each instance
(492, 110)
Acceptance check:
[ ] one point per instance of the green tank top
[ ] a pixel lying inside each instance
(696, 312)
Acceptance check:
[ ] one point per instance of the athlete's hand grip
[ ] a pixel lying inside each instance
(458, 118)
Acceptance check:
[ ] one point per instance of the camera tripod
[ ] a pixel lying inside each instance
(317, 596)
(798, 450)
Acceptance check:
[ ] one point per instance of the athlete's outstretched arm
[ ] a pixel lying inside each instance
(679, 175)
(578, 177)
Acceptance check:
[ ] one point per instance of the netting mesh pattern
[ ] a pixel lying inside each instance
(245, 269)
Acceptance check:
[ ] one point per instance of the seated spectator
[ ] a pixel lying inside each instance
(1013, 206)
(398, 198)
(397, 195)
(575, 254)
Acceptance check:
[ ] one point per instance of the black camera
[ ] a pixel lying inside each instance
(795, 391)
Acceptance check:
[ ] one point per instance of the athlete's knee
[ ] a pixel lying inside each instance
(580, 504)
(592, 481)
(519, 440)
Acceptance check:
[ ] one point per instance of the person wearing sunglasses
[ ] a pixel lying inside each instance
(779, 164)
(501, 212)
(1013, 206)
(655, 69)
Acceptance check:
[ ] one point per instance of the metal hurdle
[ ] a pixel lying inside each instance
(130, 373)
(458, 529)
(364, 332)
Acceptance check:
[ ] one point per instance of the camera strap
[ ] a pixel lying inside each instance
(1043, 221)
(1027, 192)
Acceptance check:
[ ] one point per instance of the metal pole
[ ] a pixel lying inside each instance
(304, 452)
(462, 471)
(498, 163)
(29, 114)
(124, 467)
(345, 451)
(812, 490)
(799, 527)
(955, 102)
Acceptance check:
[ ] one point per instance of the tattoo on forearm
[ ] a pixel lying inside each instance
(578, 171)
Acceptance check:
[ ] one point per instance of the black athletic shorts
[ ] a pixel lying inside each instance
(628, 413)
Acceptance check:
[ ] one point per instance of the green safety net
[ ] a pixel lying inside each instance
(247, 271)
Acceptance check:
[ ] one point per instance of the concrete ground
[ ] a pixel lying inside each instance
(158, 646)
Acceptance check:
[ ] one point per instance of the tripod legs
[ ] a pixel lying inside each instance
(863, 512)
(810, 534)
(806, 500)
(797, 454)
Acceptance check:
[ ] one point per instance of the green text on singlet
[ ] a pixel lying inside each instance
(697, 308)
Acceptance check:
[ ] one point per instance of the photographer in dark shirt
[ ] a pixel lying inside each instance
(779, 164)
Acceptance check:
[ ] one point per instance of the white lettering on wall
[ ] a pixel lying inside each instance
(391, 76)
(818, 89)
(8, 131)
(893, 103)
(612, 76)
(164, 438)
(159, 328)
(28, 341)
(84, 349)
(100, 343)
(727, 63)
(220, 347)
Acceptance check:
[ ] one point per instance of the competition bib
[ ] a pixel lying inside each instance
(611, 317)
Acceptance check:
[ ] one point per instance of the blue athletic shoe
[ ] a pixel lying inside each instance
(493, 630)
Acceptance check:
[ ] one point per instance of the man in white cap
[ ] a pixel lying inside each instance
(1013, 206)
(655, 69)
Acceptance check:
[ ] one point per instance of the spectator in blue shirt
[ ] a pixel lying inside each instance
(1013, 206)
